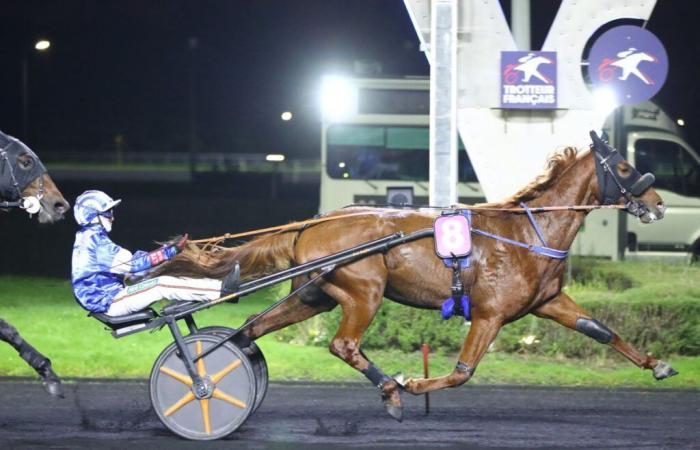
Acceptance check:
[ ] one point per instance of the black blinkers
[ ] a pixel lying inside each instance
(14, 179)
(612, 186)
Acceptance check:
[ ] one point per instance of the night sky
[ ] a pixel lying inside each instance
(124, 68)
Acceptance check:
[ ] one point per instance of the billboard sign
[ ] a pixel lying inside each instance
(529, 80)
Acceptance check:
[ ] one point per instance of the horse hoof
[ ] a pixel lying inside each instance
(395, 411)
(664, 370)
(400, 380)
(53, 387)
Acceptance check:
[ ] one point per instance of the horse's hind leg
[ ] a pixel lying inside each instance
(565, 311)
(481, 333)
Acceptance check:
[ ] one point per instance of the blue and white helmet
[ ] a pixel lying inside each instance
(90, 205)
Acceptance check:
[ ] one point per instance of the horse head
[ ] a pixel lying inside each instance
(620, 183)
(24, 182)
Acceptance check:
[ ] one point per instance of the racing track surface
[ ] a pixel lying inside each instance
(320, 416)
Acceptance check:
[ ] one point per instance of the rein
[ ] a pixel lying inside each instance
(216, 240)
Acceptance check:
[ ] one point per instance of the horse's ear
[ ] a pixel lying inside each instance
(599, 144)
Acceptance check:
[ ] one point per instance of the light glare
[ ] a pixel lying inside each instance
(286, 116)
(42, 45)
(338, 98)
(275, 157)
(605, 100)
(680, 122)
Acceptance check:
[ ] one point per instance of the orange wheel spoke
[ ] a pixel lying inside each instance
(204, 403)
(179, 404)
(225, 371)
(184, 379)
(218, 393)
(200, 362)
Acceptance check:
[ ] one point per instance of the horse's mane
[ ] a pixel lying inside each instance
(556, 165)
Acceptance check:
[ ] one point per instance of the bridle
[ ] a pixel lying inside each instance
(10, 186)
(611, 185)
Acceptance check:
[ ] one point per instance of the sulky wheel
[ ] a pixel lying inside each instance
(225, 403)
(257, 359)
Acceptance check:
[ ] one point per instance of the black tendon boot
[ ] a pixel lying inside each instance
(230, 283)
(51, 382)
(42, 365)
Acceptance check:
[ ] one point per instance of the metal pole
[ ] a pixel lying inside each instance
(443, 103)
(25, 97)
(426, 374)
(192, 44)
(618, 141)
(520, 23)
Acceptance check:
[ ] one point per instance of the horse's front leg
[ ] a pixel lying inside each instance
(481, 333)
(565, 311)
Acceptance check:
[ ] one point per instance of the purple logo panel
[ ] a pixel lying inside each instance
(630, 61)
(529, 80)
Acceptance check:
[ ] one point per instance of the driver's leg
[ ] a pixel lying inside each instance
(139, 296)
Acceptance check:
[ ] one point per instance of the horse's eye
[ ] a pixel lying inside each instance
(624, 169)
(26, 162)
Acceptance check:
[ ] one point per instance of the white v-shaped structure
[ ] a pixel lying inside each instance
(509, 147)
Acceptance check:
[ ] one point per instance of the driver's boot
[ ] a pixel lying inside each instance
(230, 283)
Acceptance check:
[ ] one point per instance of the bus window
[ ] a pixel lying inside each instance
(372, 152)
(675, 170)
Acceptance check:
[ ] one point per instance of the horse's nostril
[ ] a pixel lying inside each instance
(61, 207)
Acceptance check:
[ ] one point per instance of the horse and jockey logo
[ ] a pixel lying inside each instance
(629, 60)
(528, 80)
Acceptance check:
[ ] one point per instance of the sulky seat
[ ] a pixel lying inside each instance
(118, 322)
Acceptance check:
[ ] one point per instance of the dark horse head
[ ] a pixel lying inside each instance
(24, 182)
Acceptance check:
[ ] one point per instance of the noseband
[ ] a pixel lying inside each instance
(611, 185)
(14, 181)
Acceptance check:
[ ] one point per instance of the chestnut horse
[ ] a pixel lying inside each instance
(505, 281)
(24, 184)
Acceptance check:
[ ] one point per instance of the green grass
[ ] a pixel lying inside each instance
(44, 312)
(650, 280)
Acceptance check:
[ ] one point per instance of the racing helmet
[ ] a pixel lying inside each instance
(90, 205)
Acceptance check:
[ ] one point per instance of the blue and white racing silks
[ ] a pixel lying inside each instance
(99, 266)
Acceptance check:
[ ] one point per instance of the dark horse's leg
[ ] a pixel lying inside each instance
(36, 360)
(565, 311)
(481, 333)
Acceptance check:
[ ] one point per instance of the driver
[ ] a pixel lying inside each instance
(99, 266)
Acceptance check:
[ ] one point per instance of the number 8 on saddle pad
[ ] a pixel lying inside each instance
(452, 236)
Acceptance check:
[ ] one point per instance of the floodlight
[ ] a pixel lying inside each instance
(274, 157)
(286, 116)
(680, 122)
(42, 45)
(338, 98)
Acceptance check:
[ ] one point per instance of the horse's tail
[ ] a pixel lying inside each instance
(260, 256)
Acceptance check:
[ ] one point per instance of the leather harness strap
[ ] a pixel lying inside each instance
(212, 241)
